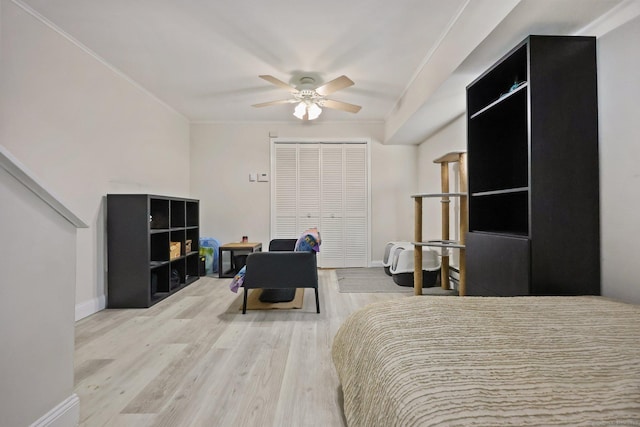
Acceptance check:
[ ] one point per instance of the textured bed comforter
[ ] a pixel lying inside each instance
(528, 361)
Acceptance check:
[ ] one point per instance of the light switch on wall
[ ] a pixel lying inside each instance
(263, 177)
(253, 177)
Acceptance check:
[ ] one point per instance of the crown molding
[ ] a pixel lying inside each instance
(614, 18)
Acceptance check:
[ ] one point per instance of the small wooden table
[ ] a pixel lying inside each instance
(229, 268)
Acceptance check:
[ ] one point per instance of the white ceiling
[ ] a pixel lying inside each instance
(203, 57)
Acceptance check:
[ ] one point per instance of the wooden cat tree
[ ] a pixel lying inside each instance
(459, 157)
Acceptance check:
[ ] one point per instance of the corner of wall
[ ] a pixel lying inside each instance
(90, 307)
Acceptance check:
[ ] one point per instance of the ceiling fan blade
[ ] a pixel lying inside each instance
(334, 85)
(278, 83)
(267, 104)
(339, 105)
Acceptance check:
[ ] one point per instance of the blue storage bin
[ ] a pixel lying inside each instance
(209, 249)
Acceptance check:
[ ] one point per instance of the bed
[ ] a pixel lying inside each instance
(526, 361)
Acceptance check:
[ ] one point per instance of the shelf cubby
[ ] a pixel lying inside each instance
(191, 268)
(192, 234)
(159, 281)
(159, 246)
(177, 213)
(177, 266)
(498, 81)
(498, 147)
(178, 236)
(503, 213)
(158, 213)
(192, 213)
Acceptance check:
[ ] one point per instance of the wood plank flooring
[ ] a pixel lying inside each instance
(195, 360)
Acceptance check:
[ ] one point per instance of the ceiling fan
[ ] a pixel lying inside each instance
(311, 100)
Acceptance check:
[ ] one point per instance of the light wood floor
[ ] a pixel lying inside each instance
(195, 360)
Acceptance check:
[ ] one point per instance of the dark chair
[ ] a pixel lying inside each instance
(279, 245)
(281, 270)
(279, 295)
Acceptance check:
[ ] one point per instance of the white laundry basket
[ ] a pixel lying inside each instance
(389, 251)
(402, 266)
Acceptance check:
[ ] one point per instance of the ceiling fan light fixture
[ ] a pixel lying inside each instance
(314, 111)
(300, 110)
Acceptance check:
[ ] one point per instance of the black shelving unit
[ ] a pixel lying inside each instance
(141, 228)
(533, 177)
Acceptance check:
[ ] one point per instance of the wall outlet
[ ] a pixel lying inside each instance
(263, 177)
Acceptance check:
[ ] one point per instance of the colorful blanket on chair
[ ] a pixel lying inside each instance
(307, 242)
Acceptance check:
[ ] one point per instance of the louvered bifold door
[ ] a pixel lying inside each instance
(355, 205)
(331, 221)
(308, 187)
(325, 186)
(285, 197)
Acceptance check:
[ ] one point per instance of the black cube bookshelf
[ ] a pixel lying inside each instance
(140, 230)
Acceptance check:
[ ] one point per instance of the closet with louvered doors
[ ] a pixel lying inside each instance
(323, 185)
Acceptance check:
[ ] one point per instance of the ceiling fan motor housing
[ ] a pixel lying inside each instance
(304, 81)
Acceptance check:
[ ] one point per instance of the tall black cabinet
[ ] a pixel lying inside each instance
(141, 230)
(532, 123)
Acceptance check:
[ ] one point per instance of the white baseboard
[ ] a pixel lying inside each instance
(376, 264)
(87, 308)
(64, 414)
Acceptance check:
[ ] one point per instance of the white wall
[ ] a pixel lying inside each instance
(36, 306)
(223, 155)
(394, 172)
(85, 130)
(618, 95)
